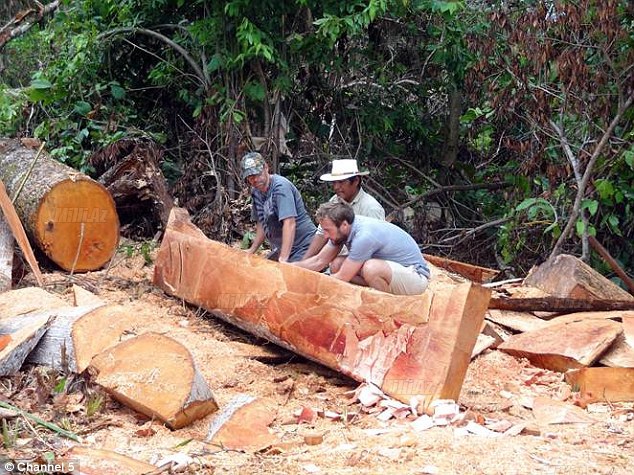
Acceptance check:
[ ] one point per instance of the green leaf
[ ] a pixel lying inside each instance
(580, 228)
(41, 84)
(591, 205)
(117, 91)
(528, 202)
(82, 108)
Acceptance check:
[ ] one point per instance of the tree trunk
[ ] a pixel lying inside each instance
(410, 346)
(67, 215)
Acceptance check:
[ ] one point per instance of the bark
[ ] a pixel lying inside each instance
(16, 230)
(6, 254)
(24, 332)
(410, 346)
(156, 376)
(67, 215)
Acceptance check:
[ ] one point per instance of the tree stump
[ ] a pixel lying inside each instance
(67, 215)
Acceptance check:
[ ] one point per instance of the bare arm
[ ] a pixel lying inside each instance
(320, 260)
(258, 239)
(316, 245)
(288, 236)
(349, 269)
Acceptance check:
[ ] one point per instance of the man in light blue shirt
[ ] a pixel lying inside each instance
(381, 255)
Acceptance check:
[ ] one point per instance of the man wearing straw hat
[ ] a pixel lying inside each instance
(346, 183)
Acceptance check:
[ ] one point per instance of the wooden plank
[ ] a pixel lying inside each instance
(410, 346)
(603, 384)
(570, 277)
(518, 321)
(27, 300)
(564, 346)
(156, 376)
(472, 272)
(558, 304)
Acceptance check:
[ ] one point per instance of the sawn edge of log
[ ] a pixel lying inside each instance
(415, 348)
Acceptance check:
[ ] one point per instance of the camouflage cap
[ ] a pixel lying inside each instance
(252, 164)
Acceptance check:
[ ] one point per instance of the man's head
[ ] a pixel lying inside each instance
(346, 179)
(255, 171)
(336, 220)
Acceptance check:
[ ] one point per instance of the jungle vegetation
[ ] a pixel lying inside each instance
(499, 132)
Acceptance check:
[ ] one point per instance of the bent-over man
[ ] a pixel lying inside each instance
(381, 255)
(279, 211)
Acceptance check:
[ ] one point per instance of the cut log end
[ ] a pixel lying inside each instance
(77, 225)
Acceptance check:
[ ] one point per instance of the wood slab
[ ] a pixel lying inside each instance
(21, 334)
(94, 461)
(569, 276)
(518, 321)
(603, 384)
(27, 300)
(410, 346)
(472, 272)
(566, 345)
(156, 376)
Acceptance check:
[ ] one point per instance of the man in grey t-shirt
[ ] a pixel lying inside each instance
(381, 255)
(278, 210)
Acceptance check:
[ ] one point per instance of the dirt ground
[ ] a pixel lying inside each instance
(497, 393)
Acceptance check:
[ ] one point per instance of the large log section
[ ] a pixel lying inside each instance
(67, 215)
(415, 348)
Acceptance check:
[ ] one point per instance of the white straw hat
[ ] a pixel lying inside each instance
(343, 169)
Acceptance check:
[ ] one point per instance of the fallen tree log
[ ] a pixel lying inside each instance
(67, 215)
(156, 376)
(415, 348)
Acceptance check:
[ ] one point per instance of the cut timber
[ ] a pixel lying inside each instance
(410, 346)
(229, 431)
(518, 321)
(621, 353)
(473, 273)
(24, 331)
(564, 346)
(69, 216)
(568, 276)
(603, 384)
(77, 334)
(6, 254)
(82, 297)
(558, 304)
(156, 376)
(15, 225)
(27, 300)
(104, 462)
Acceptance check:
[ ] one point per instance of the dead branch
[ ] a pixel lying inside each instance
(581, 190)
(24, 20)
(603, 252)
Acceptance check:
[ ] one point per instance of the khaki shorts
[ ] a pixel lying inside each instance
(406, 281)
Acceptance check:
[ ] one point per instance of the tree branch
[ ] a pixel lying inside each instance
(175, 46)
(586, 176)
(23, 21)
